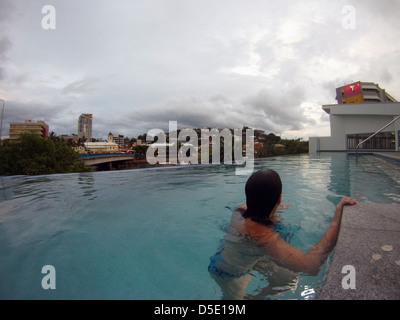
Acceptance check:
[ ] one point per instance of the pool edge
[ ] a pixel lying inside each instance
(360, 268)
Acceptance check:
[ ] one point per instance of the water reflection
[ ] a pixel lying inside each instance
(279, 280)
(21, 187)
(35, 188)
(3, 190)
(86, 181)
(375, 179)
(339, 176)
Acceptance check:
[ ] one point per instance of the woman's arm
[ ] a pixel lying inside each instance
(328, 241)
(295, 259)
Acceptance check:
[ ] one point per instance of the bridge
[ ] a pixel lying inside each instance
(96, 159)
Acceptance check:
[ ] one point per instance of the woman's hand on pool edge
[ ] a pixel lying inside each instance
(347, 201)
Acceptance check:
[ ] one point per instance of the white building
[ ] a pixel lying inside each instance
(351, 123)
(363, 109)
(101, 147)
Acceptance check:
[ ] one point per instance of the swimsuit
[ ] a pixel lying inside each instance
(213, 267)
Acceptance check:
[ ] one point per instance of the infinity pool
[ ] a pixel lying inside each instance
(148, 234)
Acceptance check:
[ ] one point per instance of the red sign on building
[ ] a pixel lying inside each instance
(352, 89)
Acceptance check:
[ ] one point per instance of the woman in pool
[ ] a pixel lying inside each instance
(252, 243)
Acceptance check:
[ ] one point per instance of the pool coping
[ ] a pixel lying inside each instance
(392, 155)
(366, 259)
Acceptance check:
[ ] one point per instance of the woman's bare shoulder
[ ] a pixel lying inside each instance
(239, 210)
(241, 207)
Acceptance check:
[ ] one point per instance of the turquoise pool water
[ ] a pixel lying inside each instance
(148, 234)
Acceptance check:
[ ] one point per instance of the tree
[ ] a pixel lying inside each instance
(140, 149)
(282, 147)
(32, 155)
(142, 137)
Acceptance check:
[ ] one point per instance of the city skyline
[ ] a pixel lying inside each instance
(138, 65)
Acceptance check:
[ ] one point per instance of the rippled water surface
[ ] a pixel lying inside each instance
(148, 234)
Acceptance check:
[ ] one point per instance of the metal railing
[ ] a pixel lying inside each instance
(374, 134)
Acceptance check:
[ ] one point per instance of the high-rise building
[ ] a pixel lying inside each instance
(39, 127)
(362, 92)
(85, 126)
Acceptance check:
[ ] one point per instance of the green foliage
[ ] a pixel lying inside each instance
(33, 155)
(283, 147)
(140, 149)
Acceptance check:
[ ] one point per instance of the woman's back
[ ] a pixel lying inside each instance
(239, 252)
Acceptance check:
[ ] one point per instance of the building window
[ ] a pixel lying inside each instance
(383, 140)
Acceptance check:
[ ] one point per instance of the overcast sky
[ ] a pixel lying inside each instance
(137, 64)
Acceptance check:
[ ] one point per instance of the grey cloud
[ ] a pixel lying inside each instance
(386, 76)
(16, 111)
(215, 112)
(138, 64)
(381, 12)
(277, 109)
(6, 8)
(56, 116)
(5, 45)
(272, 111)
(81, 86)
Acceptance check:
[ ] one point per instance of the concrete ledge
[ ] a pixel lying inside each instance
(365, 229)
(390, 155)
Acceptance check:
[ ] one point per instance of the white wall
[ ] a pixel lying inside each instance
(355, 118)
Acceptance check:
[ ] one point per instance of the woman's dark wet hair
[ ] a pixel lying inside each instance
(263, 190)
